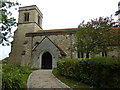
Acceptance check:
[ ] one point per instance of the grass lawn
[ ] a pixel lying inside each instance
(69, 81)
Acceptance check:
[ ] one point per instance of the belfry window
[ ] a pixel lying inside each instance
(38, 20)
(26, 16)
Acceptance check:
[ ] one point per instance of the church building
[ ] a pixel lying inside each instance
(35, 47)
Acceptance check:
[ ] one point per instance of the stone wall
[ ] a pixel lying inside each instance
(27, 57)
(53, 45)
(63, 41)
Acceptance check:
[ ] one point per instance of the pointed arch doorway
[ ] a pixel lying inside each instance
(46, 61)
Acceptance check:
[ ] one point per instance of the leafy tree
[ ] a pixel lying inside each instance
(96, 36)
(6, 20)
(84, 41)
(117, 12)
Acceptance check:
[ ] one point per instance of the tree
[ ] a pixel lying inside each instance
(6, 21)
(117, 12)
(84, 42)
(96, 36)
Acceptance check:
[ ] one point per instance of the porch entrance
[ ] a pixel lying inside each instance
(46, 61)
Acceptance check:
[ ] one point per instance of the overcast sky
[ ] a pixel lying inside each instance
(67, 13)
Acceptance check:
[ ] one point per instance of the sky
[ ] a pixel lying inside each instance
(70, 13)
(59, 14)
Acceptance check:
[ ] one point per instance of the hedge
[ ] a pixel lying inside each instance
(101, 72)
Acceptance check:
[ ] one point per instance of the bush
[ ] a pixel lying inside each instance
(14, 77)
(98, 71)
(65, 66)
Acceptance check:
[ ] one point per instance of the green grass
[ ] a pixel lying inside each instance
(15, 77)
(70, 81)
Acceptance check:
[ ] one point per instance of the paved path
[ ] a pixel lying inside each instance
(44, 79)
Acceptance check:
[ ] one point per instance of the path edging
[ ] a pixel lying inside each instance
(28, 81)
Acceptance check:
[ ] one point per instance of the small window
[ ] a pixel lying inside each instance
(104, 53)
(80, 54)
(38, 20)
(26, 16)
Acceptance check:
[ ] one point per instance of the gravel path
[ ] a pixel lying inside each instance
(44, 79)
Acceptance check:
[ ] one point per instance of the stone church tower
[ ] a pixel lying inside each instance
(30, 20)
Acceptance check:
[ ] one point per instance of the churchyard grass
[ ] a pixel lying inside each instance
(70, 81)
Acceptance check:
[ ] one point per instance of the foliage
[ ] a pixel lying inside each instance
(7, 21)
(14, 77)
(117, 12)
(4, 61)
(100, 72)
(71, 82)
(96, 36)
(65, 66)
(118, 21)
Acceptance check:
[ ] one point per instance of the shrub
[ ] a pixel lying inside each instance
(14, 77)
(98, 71)
(65, 66)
